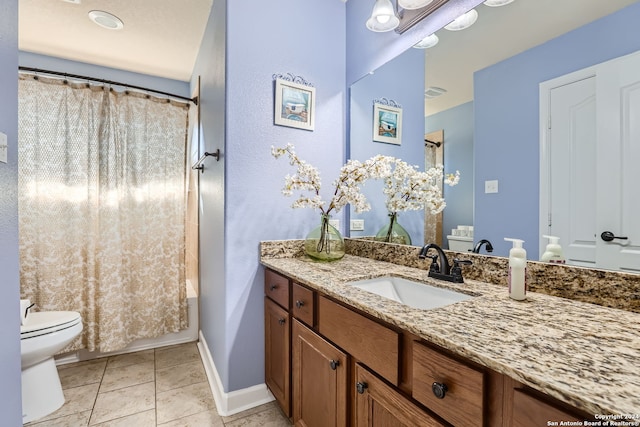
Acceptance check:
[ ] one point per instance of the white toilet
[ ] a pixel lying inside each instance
(460, 243)
(44, 334)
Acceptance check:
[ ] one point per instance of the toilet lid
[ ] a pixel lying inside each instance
(46, 322)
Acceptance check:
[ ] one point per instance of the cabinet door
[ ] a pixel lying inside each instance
(319, 380)
(529, 411)
(277, 354)
(378, 405)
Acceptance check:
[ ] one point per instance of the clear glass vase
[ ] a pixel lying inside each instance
(393, 232)
(324, 243)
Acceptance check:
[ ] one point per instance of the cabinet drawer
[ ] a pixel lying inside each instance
(463, 399)
(276, 287)
(302, 304)
(529, 411)
(368, 341)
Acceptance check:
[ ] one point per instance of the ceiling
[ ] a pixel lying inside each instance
(499, 33)
(160, 37)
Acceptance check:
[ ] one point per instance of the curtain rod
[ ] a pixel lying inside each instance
(109, 82)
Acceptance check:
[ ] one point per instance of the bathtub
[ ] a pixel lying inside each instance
(187, 335)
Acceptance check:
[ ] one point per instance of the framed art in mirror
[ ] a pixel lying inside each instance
(387, 123)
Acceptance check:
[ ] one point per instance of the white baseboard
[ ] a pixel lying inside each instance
(235, 401)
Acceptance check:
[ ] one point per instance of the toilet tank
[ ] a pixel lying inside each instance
(460, 243)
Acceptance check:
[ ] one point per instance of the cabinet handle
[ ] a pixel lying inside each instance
(334, 364)
(439, 389)
(299, 304)
(281, 321)
(361, 387)
(273, 287)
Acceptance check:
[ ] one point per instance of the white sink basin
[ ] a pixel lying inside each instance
(408, 292)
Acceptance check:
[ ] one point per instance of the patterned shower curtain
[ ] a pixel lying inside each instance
(102, 208)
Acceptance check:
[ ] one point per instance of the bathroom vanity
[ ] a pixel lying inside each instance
(339, 355)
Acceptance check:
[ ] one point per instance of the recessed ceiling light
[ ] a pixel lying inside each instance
(106, 20)
(463, 21)
(430, 41)
(497, 3)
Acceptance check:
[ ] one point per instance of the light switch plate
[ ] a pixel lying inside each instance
(3, 148)
(357, 225)
(491, 186)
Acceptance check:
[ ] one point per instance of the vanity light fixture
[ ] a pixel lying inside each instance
(497, 3)
(463, 21)
(430, 41)
(106, 20)
(383, 17)
(413, 4)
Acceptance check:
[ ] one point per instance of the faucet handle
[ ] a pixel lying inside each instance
(456, 271)
(434, 263)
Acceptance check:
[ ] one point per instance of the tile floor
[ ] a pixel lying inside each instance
(162, 387)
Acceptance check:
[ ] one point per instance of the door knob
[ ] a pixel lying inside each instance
(608, 236)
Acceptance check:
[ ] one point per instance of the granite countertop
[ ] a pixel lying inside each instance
(582, 354)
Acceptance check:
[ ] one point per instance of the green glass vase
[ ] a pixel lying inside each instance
(393, 232)
(324, 243)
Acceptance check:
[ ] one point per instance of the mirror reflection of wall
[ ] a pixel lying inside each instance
(503, 102)
(401, 80)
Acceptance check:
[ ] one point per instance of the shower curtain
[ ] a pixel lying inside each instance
(102, 208)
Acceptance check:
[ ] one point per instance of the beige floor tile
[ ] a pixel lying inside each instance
(81, 419)
(82, 373)
(122, 360)
(77, 399)
(201, 419)
(123, 402)
(141, 419)
(254, 410)
(115, 378)
(176, 355)
(270, 417)
(184, 401)
(179, 376)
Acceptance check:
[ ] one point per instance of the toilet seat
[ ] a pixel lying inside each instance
(47, 322)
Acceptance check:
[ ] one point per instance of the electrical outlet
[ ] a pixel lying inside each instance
(335, 223)
(3, 148)
(357, 225)
(491, 186)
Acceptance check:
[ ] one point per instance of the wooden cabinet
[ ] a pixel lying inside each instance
(445, 385)
(277, 369)
(319, 380)
(380, 405)
(328, 364)
(372, 343)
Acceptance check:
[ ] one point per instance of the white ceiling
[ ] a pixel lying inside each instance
(159, 38)
(500, 33)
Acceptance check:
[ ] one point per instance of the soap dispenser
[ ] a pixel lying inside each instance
(553, 252)
(517, 270)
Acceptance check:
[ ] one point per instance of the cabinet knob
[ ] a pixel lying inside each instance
(299, 304)
(439, 390)
(281, 321)
(334, 364)
(361, 387)
(273, 287)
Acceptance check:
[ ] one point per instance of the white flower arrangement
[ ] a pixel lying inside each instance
(407, 189)
(347, 186)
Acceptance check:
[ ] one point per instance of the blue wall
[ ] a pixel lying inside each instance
(457, 123)
(10, 397)
(506, 144)
(408, 92)
(293, 38)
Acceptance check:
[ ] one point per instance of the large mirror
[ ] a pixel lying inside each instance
(490, 112)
